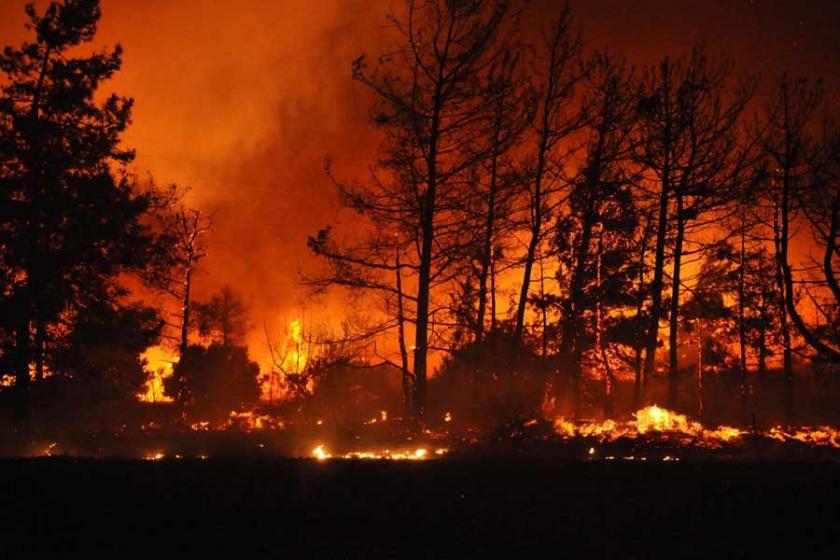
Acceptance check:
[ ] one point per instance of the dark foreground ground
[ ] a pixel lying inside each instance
(450, 508)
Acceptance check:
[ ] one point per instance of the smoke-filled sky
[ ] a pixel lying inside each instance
(242, 99)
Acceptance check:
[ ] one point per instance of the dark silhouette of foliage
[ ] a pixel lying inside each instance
(215, 380)
(223, 318)
(104, 348)
(72, 223)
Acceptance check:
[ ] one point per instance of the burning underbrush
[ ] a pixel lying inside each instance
(651, 433)
(658, 433)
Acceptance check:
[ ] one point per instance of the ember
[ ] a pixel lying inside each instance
(419, 454)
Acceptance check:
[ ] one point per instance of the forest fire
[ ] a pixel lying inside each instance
(493, 265)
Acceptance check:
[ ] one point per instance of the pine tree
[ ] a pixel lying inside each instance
(72, 224)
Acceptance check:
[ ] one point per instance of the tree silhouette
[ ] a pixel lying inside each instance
(215, 380)
(689, 151)
(72, 223)
(428, 97)
(600, 215)
(554, 122)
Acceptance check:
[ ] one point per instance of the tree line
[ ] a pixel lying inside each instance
(539, 200)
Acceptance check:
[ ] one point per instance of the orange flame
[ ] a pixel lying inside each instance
(320, 453)
(159, 365)
(651, 419)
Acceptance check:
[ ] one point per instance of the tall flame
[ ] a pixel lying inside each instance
(295, 357)
(159, 365)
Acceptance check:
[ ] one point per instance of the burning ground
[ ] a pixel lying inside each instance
(651, 434)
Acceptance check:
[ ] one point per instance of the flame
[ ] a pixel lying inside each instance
(657, 420)
(48, 451)
(650, 420)
(419, 454)
(159, 365)
(292, 358)
(243, 421)
(823, 436)
(296, 358)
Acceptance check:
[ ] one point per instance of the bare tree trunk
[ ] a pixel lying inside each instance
(787, 276)
(421, 344)
(185, 323)
(489, 231)
(493, 293)
(640, 338)
(661, 232)
(544, 337)
(742, 328)
(556, 92)
(28, 293)
(40, 342)
(831, 248)
(762, 338)
(674, 316)
(609, 378)
(700, 402)
(570, 344)
(406, 375)
(536, 234)
(185, 306)
(22, 358)
(787, 358)
(657, 283)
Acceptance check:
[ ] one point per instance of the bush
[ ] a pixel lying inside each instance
(214, 380)
(490, 379)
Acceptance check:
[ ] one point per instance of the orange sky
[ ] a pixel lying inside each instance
(243, 99)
